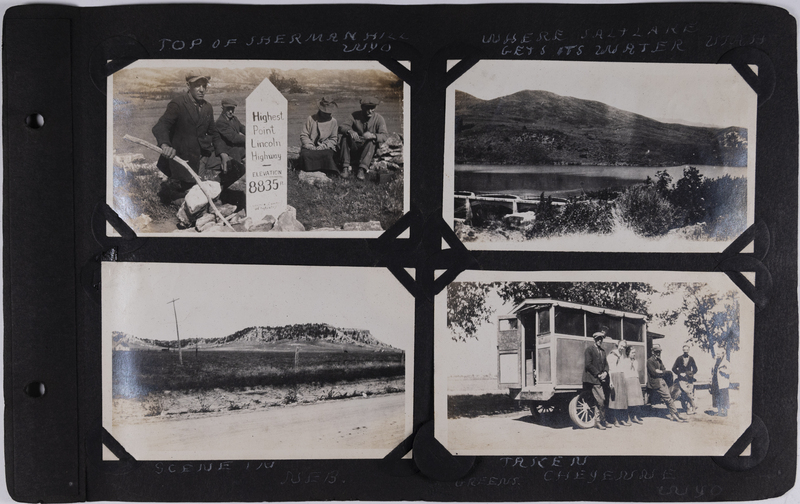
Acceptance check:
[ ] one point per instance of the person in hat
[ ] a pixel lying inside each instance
(657, 385)
(187, 130)
(685, 368)
(318, 139)
(635, 399)
(362, 132)
(720, 382)
(596, 379)
(231, 131)
(618, 400)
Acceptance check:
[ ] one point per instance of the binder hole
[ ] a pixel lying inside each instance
(34, 121)
(35, 389)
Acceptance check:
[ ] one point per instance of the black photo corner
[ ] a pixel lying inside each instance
(388, 239)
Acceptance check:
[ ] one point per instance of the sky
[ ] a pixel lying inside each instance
(695, 94)
(477, 356)
(218, 300)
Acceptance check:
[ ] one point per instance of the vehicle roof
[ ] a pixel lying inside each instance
(529, 304)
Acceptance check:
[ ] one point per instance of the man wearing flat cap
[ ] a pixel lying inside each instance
(318, 139)
(231, 131)
(362, 132)
(657, 385)
(596, 379)
(187, 130)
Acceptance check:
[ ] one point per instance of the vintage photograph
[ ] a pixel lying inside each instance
(257, 148)
(553, 155)
(593, 363)
(243, 362)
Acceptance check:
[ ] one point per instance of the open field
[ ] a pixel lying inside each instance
(136, 374)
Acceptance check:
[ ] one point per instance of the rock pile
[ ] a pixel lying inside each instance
(206, 221)
(388, 159)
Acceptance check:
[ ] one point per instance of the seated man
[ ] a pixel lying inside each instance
(187, 130)
(318, 139)
(231, 131)
(362, 132)
(656, 385)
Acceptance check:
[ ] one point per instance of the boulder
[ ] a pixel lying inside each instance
(205, 219)
(264, 225)
(394, 140)
(314, 178)
(397, 159)
(184, 218)
(247, 223)
(226, 209)
(287, 221)
(362, 226)
(219, 228)
(261, 227)
(196, 200)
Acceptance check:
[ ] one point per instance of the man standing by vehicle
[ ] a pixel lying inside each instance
(187, 130)
(685, 368)
(656, 384)
(362, 132)
(596, 380)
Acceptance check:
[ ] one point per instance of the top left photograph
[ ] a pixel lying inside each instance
(284, 149)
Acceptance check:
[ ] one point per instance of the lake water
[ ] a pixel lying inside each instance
(531, 181)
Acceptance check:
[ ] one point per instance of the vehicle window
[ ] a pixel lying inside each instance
(508, 324)
(569, 321)
(544, 321)
(632, 329)
(611, 325)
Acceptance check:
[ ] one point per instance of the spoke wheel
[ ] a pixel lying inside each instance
(581, 412)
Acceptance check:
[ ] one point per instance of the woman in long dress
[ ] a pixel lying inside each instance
(319, 137)
(618, 402)
(634, 388)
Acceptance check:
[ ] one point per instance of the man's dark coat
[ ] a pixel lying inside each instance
(190, 130)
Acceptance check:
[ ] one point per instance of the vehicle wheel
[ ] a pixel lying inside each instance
(581, 412)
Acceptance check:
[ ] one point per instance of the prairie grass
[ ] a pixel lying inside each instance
(136, 374)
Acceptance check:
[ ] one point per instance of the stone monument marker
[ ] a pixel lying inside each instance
(266, 152)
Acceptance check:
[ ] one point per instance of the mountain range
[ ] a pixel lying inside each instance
(313, 337)
(543, 128)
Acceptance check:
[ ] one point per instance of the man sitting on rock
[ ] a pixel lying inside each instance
(231, 131)
(362, 132)
(187, 130)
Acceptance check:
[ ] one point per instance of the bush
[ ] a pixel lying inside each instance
(647, 212)
(587, 217)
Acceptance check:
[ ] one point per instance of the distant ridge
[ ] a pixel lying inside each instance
(264, 336)
(542, 128)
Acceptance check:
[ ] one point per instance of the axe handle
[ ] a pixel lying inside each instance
(188, 168)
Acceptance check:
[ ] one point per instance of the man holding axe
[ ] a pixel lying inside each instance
(187, 130)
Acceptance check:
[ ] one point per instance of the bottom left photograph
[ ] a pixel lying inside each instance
(208, 361)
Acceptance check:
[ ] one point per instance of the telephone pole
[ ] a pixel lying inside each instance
(180, 352)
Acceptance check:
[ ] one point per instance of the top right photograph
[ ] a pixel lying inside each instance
(597, 156)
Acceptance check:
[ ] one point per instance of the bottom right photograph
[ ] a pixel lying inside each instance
(593, 363)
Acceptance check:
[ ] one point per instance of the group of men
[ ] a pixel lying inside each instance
(187, 129)
(596, 380)
(215, 150)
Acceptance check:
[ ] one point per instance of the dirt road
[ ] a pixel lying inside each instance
(350, 428)
(518, 434)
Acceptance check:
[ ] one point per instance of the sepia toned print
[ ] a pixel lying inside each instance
(593, 363)
(548, 155)
(257, 148)
(255, 362)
